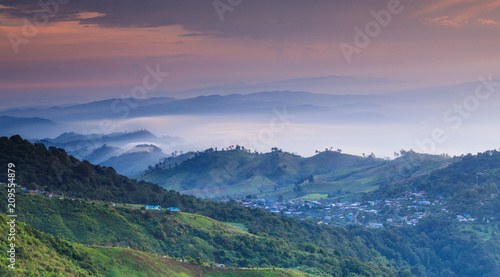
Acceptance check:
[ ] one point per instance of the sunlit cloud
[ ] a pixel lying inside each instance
(87, 15)
(443, 21)
(488, 22)
(460, 13)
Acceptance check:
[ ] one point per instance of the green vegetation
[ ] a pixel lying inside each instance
(40, 254)
(469, 185)
(438, 245)
(237, 173)
(195, 236)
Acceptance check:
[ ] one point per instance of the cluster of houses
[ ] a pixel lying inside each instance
(406, 209)
(53, 195)
(158, 208)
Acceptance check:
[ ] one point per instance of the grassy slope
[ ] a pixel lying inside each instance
(126, 262)
(238, 173)
(365, 177)
(178, 234)
(99, 224)
(40, 254)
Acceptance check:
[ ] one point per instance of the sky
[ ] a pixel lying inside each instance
(74, 51)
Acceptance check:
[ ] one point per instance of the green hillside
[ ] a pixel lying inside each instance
(470, 183)
(329, 174)
(188, 235)
(439, 245)
(40, 254)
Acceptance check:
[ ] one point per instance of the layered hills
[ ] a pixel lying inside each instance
(80, 211)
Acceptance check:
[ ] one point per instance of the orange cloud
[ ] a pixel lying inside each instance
(459, 12)
(88, 15)
(487, 22)
(441, 20)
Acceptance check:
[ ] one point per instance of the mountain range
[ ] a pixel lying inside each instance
(401, 118)
(342, 105)
(35, 126)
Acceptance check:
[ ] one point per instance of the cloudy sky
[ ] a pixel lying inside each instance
(92, 49)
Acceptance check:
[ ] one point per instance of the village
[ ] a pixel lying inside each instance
(405, 210)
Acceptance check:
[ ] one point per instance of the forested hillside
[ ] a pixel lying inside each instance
(437, 246)
(470, 184)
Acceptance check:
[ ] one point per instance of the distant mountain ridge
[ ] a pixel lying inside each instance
(333, 84)
(397, 104)
(10, 125)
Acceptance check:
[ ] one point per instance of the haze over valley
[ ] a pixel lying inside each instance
(378, 123)
(236, 138)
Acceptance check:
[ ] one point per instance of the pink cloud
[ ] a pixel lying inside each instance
(442, 20)
(488, 22)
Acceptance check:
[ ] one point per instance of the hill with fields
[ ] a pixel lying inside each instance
(329, 174)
